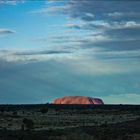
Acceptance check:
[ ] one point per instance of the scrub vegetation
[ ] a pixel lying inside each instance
(69, 122)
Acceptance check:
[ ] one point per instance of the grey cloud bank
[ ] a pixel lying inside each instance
(117, 21)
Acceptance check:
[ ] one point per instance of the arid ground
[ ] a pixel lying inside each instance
(69, 122)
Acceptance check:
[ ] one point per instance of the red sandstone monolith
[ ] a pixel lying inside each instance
(78, 100)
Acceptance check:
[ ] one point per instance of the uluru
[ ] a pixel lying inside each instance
(78, 100)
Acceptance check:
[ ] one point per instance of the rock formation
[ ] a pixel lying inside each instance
(78, 100)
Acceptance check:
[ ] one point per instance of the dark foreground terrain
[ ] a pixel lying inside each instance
(69, 122)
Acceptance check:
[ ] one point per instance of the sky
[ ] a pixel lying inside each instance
(55, 48)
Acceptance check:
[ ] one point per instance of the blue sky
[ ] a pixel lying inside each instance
(52, 48)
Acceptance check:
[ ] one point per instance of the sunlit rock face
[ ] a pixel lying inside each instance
(78, 100)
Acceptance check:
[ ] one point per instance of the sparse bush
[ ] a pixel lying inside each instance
(2, 110)
(15, 113)
(44, 110)
(80, 136)
(29, 124)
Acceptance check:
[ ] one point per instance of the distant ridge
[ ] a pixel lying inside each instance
(78, 100)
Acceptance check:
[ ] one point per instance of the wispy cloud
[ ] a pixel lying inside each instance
(6, 31)
(90, 61)
(11, 2)
(51, 10)
(28, 56)
(41, 52)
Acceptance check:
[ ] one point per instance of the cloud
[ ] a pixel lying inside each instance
(105, 10)
(115, 24)
(6, 31)
(51, 10)
(110, 36)
(28, 56)
(102, 25)
(11, 2)
(41, 52)
(122, 15)
(89, 61)
(120, 55)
